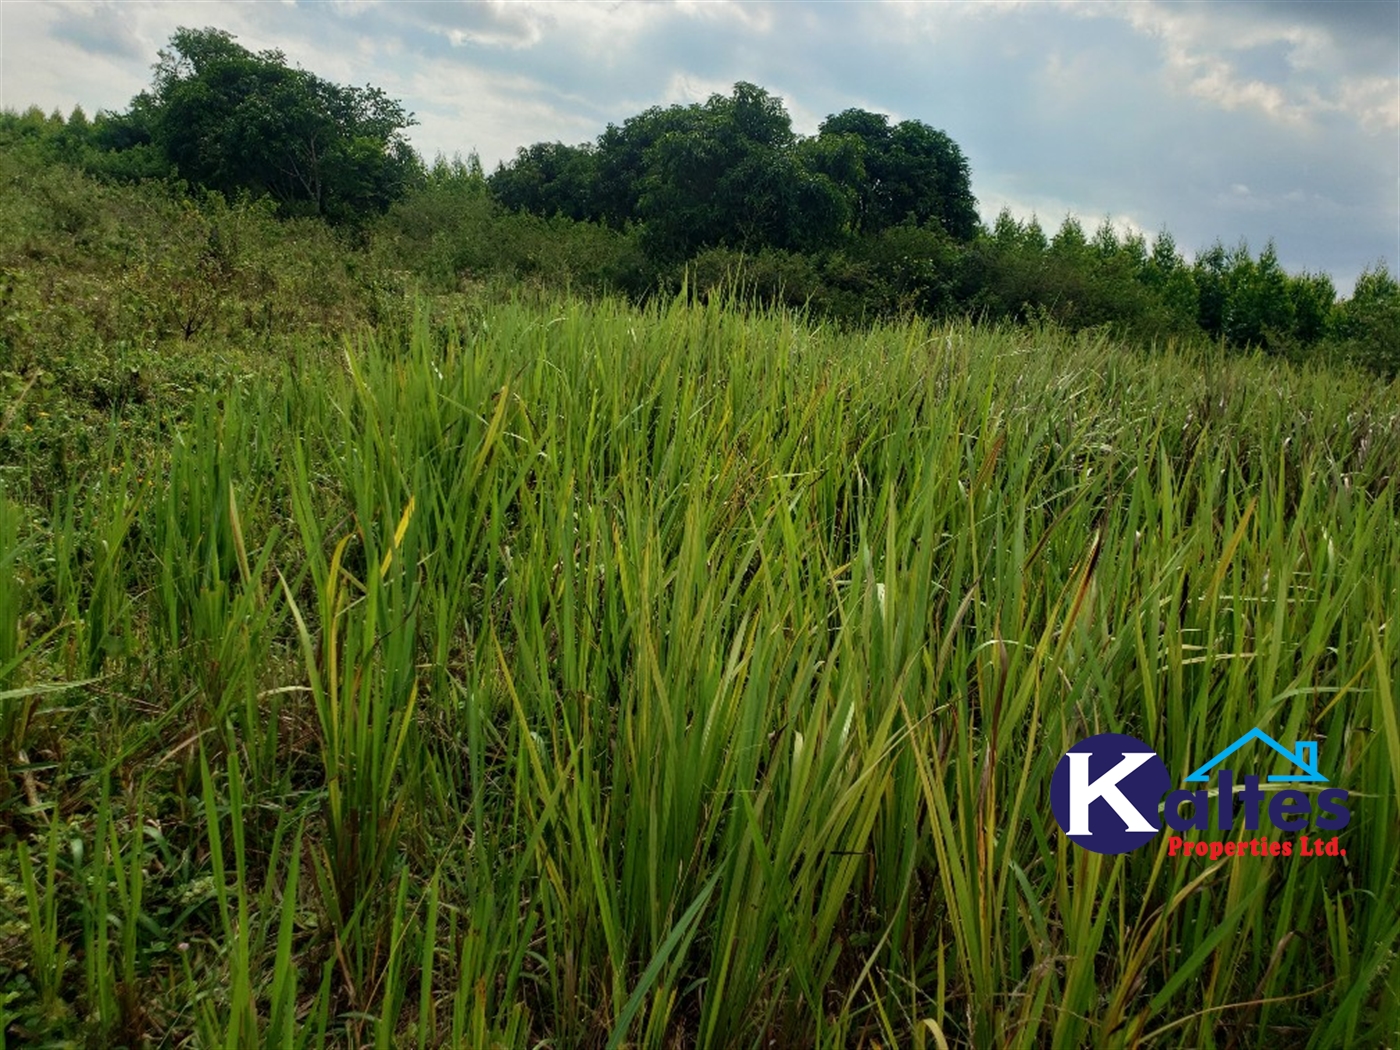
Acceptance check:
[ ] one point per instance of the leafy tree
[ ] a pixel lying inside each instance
(1167, 275)
(549, 178)
(1006, 231)
(1258, 310)
(723, 173)
(1133, 252)
(1314, 297)
(720, 177)
(840, 158)
(1369, 322)
(912, 173)
(915, 268)
(458, 172)
(1033, 239)
(233, 120)
(622, 159)
(1210, 272)
(1106, 243)
(731, 172)
(1163, 261)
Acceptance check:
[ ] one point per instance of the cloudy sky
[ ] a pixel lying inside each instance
(1230, 120)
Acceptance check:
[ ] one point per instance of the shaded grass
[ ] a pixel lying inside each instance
(597, 676)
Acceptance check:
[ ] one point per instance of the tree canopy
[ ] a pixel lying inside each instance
(906, 172)
(235, 120)
(731, 172)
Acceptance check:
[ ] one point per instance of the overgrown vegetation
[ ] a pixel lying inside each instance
(862, 221)
(588, 675)
(460, 628)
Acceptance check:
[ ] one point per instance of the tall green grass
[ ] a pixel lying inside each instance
(580, 675)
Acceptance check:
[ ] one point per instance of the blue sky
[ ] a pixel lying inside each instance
(1236, 120)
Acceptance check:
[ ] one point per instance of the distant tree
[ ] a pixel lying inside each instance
(912, 173)
(1172, 280)
(1033, 238)
(1134, 247)
(233, 120)
(725, 172)
(721, 177)
(1069, 242)
(458, 172)
(1106, 243)
(622, 158)
(1006, 231)
(840, 160)
(731, 172)
(549, 178)
(1163, 261)
(1258, 310)
(1368, 324)
(1314, 299)
(1210, 273)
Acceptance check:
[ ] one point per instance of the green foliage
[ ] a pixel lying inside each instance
(224, 118)
(549, 179)
(510, 668)
(731, 173)
(577, 673)
(1015, 273)
(1313, 297)
(1258, 310)
(866, 219)
(911, 270)
(119, 302)
(908, 172)
(232, 120)
(903, 271)
(1167, 275)
(452, 235)
(725, 173)
(1367, 325)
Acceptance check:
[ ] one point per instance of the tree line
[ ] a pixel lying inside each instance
(865, 218)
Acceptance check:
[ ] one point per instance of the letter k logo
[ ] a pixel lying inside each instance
(1083, 792)
(1106, 793)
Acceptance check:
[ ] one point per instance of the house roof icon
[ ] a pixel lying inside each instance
(1303, 755)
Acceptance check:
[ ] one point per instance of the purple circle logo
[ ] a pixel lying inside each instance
(1106, 791)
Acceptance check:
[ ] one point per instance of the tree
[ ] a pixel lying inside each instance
(1069, 242)
(1369, 322)
(1006, 231)
(549, 178)
(622, 159)
(1258, 310)
(1106, 244)
(1171, 279)
(1212, 288)
(728, 173)
(912, 173)
(1314, 297)
(1033, 238)
(838, 159)
(233, 120)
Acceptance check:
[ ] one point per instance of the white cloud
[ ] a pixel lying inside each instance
(1204, 47)
(460, 109)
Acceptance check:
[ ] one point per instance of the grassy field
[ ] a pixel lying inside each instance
(579, 675)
